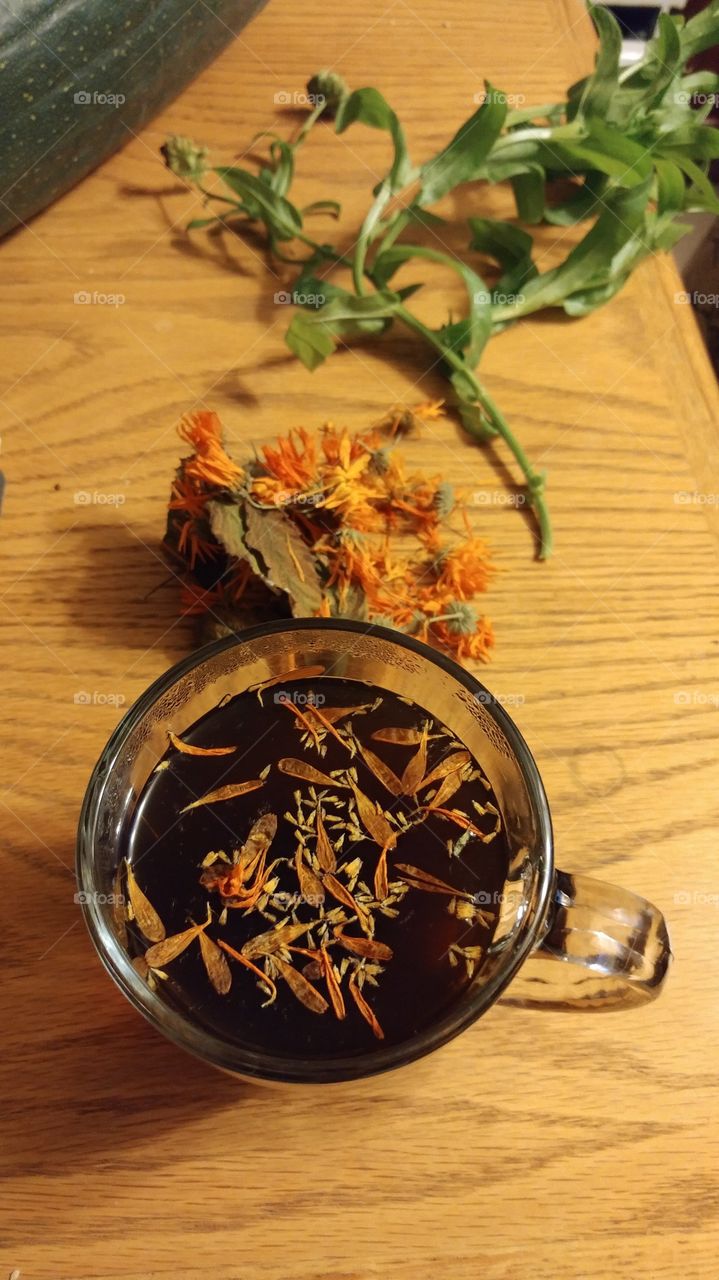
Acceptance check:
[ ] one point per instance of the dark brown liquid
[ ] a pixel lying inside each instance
(165, 849)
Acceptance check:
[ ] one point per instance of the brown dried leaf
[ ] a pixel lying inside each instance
(400, 737)
(333, 986)
(308, 995)
(325, 852)
(415, 770)
(374, 822)
(300, 769)
(262, 833)
(148, 921)
(381, 771)
(230, 792)
(188, 750)
(289, 565)
(218, 970)
(368, 948)
(364, 1008)
(450, 764)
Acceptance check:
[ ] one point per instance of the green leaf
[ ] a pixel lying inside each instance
(502, 241)
(310, 343)
(369, 107)
(280, 217)
(471, 333)
(599, 88)
(671, 188)
(700, 32)
(288, 563)
(332, 207)
(599, 258)
(701, 194)
(312, 336)
(528, 187)
(461, 160)
(584, 203)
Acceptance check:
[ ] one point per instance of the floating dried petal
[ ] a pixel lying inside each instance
(368, 948)
(188, 750)
(230, 792)
(300, 769)
(364, 1008)
(147, 919)
(308, 995)
(218, 970)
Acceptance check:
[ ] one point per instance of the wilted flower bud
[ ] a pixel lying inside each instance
(185, 158)
(330, 87)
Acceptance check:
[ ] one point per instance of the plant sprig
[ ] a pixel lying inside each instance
(629, 147)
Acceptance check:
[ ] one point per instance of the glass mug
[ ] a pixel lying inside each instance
(561, 941)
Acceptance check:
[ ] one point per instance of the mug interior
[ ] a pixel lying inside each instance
(387, 661)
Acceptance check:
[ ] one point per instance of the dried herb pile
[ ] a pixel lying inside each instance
(328, 524)
(624, 155)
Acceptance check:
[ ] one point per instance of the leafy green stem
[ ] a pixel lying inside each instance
(535, 480)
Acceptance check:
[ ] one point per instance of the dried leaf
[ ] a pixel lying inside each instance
(381, 771)
(288, 563)
(368, 948)
(374, 822)
(308, 995)
(400, 737)
(218, 970)
(415, 770)
(364, 1008)
(236, 955)
(333, 986)
(451, 763)
(311, 886)
(325, 852)
(230, 792)
(188, 750)
(228, 524)
(147, 919)
(300, 769)
(262, 833)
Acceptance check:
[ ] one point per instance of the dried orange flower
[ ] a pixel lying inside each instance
(329, 524)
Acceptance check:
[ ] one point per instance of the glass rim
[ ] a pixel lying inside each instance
(244, 1061)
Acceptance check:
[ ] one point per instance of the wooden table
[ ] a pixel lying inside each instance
(549, 1146)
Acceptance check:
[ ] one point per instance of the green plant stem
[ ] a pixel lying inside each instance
(535, 481)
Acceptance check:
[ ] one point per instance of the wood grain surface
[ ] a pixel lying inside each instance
(542, 1145)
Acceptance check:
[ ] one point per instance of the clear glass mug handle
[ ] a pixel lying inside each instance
(602, 948)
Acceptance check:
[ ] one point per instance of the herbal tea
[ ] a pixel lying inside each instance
(310, 867)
